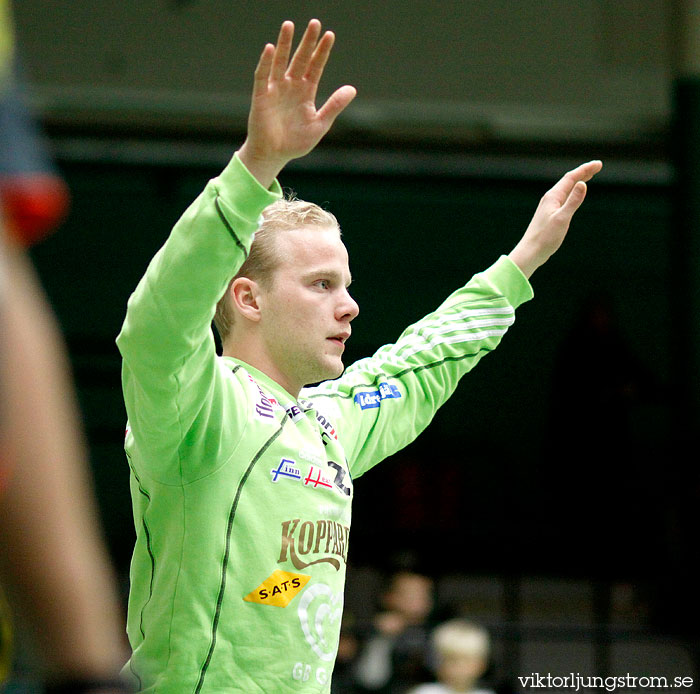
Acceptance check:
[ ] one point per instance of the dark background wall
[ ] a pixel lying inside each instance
(456, 69)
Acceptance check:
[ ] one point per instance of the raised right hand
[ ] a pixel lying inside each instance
(284, 123)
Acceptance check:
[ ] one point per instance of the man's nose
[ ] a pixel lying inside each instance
(347, 307)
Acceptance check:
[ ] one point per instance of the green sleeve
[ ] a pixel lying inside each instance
(170, 373)
(382, 403)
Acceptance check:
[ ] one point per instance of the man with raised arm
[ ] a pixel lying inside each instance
(241, 476)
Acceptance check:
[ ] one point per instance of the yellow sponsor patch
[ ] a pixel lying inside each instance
(278, 589)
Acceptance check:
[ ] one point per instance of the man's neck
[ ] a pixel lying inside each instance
(258, 360)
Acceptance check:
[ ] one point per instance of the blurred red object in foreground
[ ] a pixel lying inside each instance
(33, 205)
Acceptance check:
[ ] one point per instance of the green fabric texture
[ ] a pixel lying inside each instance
(241, 494)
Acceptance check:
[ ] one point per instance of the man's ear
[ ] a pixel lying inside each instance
(244, 293)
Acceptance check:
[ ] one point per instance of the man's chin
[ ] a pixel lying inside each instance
(335, 370)
(324, 370)
(330, 371)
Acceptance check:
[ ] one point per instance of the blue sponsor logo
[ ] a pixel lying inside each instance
(286, 468)
(373, 398)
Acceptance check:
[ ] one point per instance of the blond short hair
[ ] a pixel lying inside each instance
(285, 214)
(461, 637)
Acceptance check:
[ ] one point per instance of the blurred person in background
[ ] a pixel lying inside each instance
(394, 655)
(53, 564)
(461, 651)
(343, 681)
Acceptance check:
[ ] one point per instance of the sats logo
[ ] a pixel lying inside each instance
(278, 589)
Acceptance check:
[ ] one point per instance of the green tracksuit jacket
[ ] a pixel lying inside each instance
(242, 494)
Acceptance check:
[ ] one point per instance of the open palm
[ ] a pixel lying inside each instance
(284, 122)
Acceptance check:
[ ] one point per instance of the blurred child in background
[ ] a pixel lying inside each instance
(461, 649)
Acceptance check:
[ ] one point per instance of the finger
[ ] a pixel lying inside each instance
(573, 201)
(562, 189)
(320, 57)
(305, 49)
(282, 50)
(262, 71)
(585, 172)
(336, 103)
